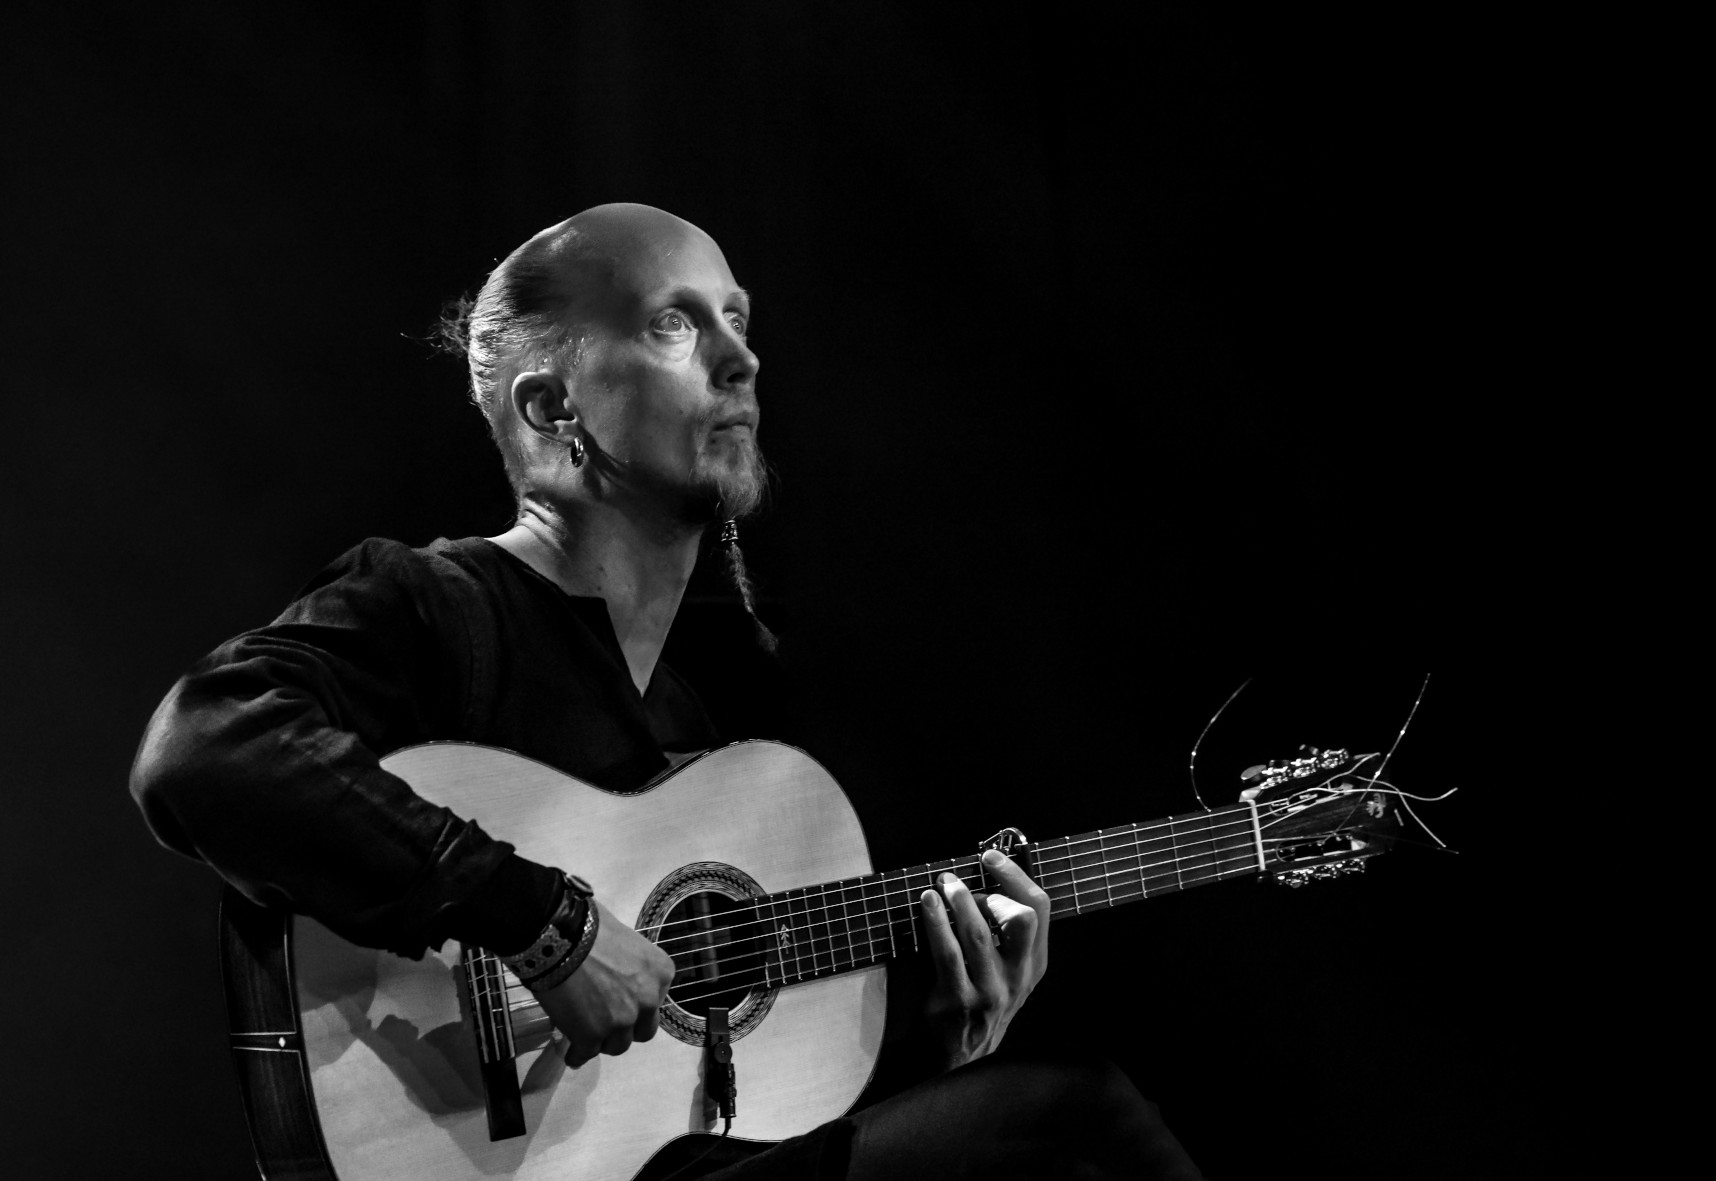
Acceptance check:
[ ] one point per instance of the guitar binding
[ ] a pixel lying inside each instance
(695, 894)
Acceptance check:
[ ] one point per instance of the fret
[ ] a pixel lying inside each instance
(1221, 830)
(864, 900)
(1196, 851)
(803, 958)
(816, 927)
(1123, 861)
(900, 909)
(845, 953)
(841, 926)
(828, 907)
(829, 901)
(890, 917)
(839, 913)
(1158, 859)
(770, 940)
(1054, 874)
(897, 937)
(1089, 881)
(1230, 834)
(782, 937)
(972, 873)
(1102, 868)
(872, 898)
(1179, 853)
(816, 923)
(930, 872)
(912, 886)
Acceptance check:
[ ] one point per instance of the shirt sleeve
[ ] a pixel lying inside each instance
(263, 761)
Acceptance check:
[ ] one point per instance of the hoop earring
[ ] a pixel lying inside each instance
(577, 451)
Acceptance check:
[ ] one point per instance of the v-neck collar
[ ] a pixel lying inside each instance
(592, 611)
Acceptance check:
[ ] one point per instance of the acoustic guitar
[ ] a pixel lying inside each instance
(748, 865)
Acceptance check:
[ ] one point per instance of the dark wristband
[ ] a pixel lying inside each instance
(561, 947)
(507, 911)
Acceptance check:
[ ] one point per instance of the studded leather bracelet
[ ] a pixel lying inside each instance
(559, 950)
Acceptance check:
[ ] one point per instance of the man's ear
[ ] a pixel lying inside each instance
(544, 405)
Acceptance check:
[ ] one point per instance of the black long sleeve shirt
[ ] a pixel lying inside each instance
(263, 761)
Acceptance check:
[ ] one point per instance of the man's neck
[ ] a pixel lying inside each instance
(639, 571)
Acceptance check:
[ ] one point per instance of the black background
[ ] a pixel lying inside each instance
(1107, 362)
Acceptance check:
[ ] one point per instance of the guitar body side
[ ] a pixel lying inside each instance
(392, 1061)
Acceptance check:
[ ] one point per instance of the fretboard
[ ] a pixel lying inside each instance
(839, 926)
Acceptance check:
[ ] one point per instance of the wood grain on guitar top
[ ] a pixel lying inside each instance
(392, 1061)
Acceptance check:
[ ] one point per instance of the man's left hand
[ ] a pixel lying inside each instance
(982, 977)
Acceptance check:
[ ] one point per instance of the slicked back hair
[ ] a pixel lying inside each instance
(520, 310)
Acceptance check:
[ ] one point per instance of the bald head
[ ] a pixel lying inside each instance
(600, 262)
(563, 282)
(620, 331)
(615, 235)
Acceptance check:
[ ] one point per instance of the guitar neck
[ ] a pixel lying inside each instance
(1113, 866)
(839, 926)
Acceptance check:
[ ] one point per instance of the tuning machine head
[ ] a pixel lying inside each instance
(1318, 873)
(1309, 763)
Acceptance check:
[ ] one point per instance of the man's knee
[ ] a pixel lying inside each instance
(1088, 1087)
(1103, 1120)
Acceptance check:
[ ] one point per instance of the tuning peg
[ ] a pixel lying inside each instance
(1253, 774)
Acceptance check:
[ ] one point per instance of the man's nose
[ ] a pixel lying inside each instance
(737, 368)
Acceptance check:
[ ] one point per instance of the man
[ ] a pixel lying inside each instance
(609, 356)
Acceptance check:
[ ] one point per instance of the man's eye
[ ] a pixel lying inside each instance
(672, 323)
(739, 325)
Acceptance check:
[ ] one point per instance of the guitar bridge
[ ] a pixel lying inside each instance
(491, 1021)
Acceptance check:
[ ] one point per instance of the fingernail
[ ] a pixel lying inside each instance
(993, 857)
(932, 899)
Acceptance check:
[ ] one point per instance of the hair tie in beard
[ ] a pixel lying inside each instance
(742, 580)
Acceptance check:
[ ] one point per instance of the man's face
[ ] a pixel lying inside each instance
(666, 385)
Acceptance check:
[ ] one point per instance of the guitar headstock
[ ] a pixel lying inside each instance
(1321, 815)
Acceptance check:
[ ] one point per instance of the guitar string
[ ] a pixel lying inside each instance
(883, 933)
(1238, 858)
(834, 896)
(876, 950)
(1241, 820)
(906, 913)
(1150, 877)
(1268, 814)
(872, 945)
(1043, 866)
(1236, 832)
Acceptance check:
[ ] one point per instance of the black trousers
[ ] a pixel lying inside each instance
(1061, 1117)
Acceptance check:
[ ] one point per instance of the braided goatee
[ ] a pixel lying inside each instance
(742, 580)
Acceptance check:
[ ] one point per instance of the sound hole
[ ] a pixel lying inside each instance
(717, 949)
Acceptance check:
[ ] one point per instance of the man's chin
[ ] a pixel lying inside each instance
(730, 494)
(741, 487)
(737, 498)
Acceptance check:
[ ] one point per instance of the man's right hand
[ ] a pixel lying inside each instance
(611, 1000)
